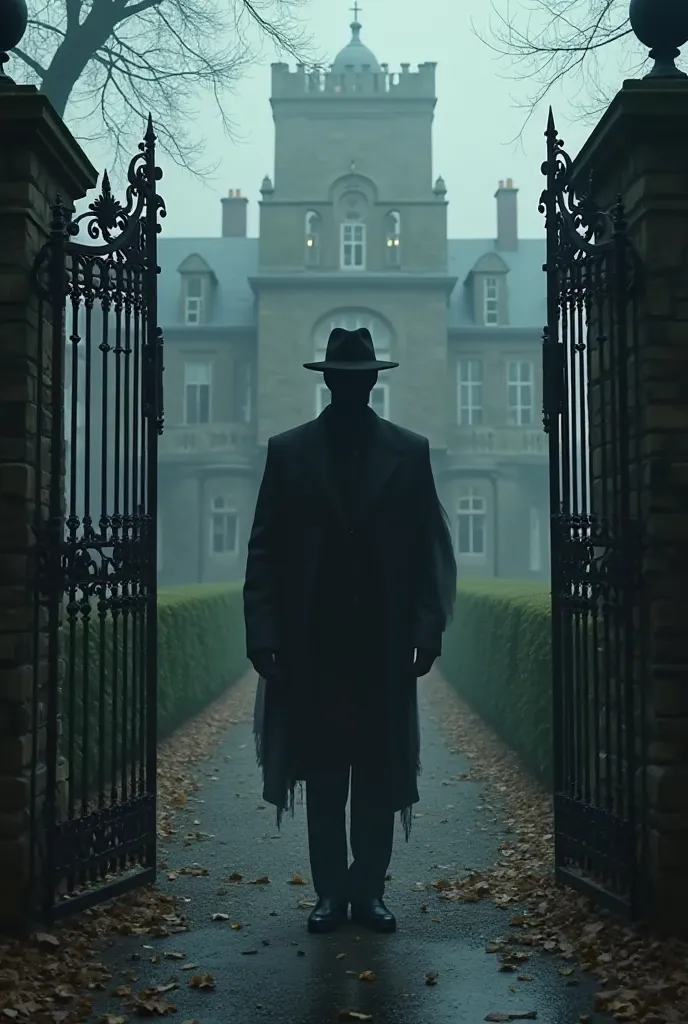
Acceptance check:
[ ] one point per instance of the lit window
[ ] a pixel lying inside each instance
(312, 239)
(197, 393)
(471, 525)
(224, 528)
(352, 252)
(393, 239)
(519, 388)
(491, 310)
(470, 392)
(193, 301)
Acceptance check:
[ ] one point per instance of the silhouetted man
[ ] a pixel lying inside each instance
(350, 582)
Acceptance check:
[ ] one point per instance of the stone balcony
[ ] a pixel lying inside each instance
(207, 442)
(528, 443)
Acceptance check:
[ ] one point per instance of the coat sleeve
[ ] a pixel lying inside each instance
(260, 586)
(436, 579)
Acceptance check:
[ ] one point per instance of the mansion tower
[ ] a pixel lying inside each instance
(353, 232)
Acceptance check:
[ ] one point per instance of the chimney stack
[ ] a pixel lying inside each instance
(507, 216)
(234, 214)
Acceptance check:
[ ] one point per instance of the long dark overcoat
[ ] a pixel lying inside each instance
(299, 516)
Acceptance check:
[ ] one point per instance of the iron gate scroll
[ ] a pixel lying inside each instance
(591, 414)
(99, 415)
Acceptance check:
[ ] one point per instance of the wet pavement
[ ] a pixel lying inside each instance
(271, 969)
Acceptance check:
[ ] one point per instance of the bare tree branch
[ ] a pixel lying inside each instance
(111, 62)
(33, 64)
(585, 47)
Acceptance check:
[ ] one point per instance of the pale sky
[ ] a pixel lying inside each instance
(476, 119)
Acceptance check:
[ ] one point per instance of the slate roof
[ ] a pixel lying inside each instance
(234, 260)
(526, 280)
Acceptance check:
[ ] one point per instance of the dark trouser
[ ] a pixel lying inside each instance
(371, 835)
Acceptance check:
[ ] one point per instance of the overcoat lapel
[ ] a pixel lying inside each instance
(383, 458)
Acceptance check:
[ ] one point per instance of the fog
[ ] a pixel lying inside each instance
(394, 188)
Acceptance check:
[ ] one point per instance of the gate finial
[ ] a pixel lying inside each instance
(662, 26)
(13, 19)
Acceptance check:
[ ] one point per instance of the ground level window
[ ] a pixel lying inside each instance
(471, 522)
(224, 528)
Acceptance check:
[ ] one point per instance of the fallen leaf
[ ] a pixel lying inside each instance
(203, 982)
(366, 976)
(431, 978)
(220, 917)
(261, 880)
(354, 1015)
(154, 1008)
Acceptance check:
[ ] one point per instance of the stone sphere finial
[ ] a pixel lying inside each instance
(13, 19)
(662, 26)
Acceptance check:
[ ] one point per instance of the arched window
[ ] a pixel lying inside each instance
(393, 238)
(382, 340)
(312, 238)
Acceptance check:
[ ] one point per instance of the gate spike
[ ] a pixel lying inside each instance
(551, 127)
(150, 132)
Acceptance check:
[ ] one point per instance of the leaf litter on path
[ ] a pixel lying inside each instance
(643, 978)
(34, 972)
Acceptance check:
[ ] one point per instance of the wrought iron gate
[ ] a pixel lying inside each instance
(99, 413)
(591, 384)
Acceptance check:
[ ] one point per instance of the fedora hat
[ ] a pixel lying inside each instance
(350, 350)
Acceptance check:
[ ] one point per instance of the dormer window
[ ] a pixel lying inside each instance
(393, 239)
(193, 301)
(491, 301)
(312, 239)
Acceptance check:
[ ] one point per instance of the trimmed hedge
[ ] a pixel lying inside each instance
(497, 653)
(201, 652)
(201, 649)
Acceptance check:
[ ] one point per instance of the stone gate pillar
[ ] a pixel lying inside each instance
(639, 151)
(39, 159)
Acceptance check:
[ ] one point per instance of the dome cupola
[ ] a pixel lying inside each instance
(355, 56)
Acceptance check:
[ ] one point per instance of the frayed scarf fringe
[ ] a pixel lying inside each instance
(289, 803)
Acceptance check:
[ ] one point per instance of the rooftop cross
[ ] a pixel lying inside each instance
(356, 10)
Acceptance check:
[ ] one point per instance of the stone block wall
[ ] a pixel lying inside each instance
(38, 160)
(639, 150)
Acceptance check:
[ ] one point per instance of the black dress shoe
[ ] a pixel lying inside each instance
(328, 914)
(374, 915)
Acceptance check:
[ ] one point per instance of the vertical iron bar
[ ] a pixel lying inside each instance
(152, 343)
(627, 567)
(552, 386)
(73, 523)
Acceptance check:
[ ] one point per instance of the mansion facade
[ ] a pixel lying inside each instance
(353, 232)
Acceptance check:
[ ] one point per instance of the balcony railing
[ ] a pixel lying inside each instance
(221, 440)
(511, 442)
